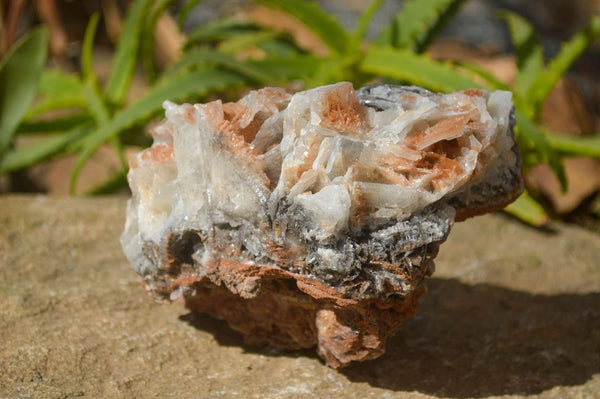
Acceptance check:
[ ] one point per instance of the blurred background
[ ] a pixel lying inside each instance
(81, 81)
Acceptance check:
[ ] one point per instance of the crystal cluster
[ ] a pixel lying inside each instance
(312, 219)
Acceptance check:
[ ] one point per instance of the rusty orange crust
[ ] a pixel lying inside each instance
(271, 306)
(342, 112)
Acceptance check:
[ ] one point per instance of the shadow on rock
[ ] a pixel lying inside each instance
(226, 336)
(480, 340)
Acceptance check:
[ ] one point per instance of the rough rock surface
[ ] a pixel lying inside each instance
(520, 318)
(313, 218)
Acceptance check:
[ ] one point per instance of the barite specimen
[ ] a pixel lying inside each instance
(313, 218)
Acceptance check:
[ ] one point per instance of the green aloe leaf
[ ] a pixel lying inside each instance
(87, 49)
(194, 84)
(126, 54)
(417, 69)
(528, 210)
(420, 20)
(326, 27)
(280, 47)
(113, 183)
(58, 89)
(245, 41)
(364, 21)
(288, 68)
(25, 156)
(575, 145)
(20, 70)
(198, 57)
(91, 93)
(529, 135)
(220, 30)
(185, 10)
(148, 38)
(492, 81)
(559, 65)
(59, 124)
(529, 52)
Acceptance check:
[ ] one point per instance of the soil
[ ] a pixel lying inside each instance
(511, 311)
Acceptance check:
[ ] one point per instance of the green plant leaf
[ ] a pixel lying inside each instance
(386, 36)
(420, 20)
(326, 27)
(113, 183)
(194, 84)
(528, 210)
(492, 81)
(245, 41)
(334, 69)
(58, 89)
(185, 10)
(287, 68)
(415, 68)
(87, 49)
(529, 52)
(202, 56)
(364, 21)
(529, 135)
(20, 70)
(126, 54)
(220, 30)
(148, 38)
(59, 124)
(25, 156)
(575, 145)
(559, 65)
(280, 47)
(91, 94)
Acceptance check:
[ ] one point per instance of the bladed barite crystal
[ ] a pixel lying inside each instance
(313, 218)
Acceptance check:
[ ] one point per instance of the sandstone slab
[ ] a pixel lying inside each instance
(512, 311)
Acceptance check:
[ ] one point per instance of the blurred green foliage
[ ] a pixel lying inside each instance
(212, 64)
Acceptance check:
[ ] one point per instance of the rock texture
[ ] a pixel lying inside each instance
(313, 218)
(518, 319)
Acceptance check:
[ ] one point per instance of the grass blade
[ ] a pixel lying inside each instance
(27, 155)
(20, 70)
(326, 27)
(194, 84)
(420, 20)
(559, 65)
(528, 210)
(415, 68)
(529, 52)
(126, 53)
(529, 135)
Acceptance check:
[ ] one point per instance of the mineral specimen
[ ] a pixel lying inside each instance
(314, 218)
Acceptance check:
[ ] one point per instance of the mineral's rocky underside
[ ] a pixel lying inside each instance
(313, 218)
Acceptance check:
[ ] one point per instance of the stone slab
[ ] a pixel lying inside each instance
(511, 311)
